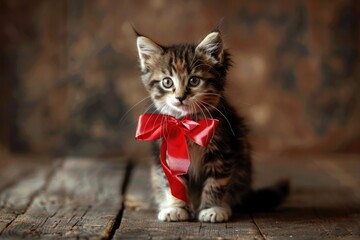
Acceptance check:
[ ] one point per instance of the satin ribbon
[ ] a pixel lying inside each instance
(173, 133)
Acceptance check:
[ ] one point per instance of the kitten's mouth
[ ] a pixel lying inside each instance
(183, 108)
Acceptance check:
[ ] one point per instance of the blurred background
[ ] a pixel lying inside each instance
(69, 72)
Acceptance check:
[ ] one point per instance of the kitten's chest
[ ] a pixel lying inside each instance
(197, 155)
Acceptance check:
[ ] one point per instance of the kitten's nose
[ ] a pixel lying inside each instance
(181, 98)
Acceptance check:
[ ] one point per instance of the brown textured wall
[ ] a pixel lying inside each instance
(69, 71)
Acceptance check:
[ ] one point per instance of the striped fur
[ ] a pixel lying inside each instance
(219, 176)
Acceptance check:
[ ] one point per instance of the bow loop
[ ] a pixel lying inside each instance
(189, 124)
(203, 134)
(149, 127)
(173, 133)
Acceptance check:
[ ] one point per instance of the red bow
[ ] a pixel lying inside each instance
(173, 132)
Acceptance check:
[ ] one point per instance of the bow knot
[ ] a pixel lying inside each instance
(173, 133)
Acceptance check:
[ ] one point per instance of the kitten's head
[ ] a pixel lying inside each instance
(184, 79)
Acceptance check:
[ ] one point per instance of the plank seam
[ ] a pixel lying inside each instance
(48, 177)
(258, 227)
(81, 218)
(117, 222)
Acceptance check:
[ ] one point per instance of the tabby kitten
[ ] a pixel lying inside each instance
(188, 79)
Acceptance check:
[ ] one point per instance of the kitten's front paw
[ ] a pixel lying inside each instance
(214, 214)
(173, 214)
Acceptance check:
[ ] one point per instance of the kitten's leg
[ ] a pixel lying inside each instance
(171, 209)
(215, 201)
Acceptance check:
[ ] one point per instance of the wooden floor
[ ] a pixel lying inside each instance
(106, 199)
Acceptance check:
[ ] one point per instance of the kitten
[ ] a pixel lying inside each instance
(188, 79)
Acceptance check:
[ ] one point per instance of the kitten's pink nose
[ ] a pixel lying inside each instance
(181, 98)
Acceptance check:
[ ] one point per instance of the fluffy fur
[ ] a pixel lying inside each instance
(189, 79)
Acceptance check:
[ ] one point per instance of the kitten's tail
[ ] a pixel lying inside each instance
(268, 198)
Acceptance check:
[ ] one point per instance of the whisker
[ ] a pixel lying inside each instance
(154, 121)
(149, 107)
(127, 112)
(209, 115)
(210, 94)
(215, 108)
(201, 111)
(221, 96)
(193, 111)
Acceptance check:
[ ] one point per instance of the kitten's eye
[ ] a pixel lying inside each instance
(167, 82)
(194, 81)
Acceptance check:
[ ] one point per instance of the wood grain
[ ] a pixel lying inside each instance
(22, 187)
(81, 200)
(140, 219)
(320, 206)
(13, 169)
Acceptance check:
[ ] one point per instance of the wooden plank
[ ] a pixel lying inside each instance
(12, 169)
(318, 207)
(15, 199)
(345, 169)
(81, 200)
(143, 224)
(140, 219)
(343, 214)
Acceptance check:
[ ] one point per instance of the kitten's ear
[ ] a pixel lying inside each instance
(212, 47)
(148, 50)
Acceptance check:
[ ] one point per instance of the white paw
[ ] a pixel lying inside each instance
(214, 214)
(173, 214)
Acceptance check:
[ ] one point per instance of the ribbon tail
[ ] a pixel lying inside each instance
(177, 150)
(177, 187)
